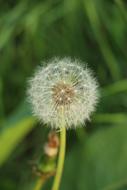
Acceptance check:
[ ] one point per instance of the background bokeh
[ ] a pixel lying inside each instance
(94, 31)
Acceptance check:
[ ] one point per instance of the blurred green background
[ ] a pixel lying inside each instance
(94, 31)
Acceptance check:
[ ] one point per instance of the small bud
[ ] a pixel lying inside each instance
(51, 147)
(49, 151)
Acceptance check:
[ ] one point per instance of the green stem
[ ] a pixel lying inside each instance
(61, 158)
(39, 184)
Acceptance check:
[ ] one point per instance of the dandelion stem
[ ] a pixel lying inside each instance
(61, 158)
(39, 184)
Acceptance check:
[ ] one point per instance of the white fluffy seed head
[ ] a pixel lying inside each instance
(63, 89)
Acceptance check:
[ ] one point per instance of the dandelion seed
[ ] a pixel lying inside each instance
(65, 85)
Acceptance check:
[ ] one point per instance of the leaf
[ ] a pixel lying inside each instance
(112, 118)
(94, 18)
(13, 131)
(99, 164)
(117, 87)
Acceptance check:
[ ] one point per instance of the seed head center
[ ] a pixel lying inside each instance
(63, 93)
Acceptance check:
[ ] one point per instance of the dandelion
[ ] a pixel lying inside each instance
(63, 94)
(65, 91)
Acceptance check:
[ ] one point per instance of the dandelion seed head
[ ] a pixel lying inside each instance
(66, 85)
